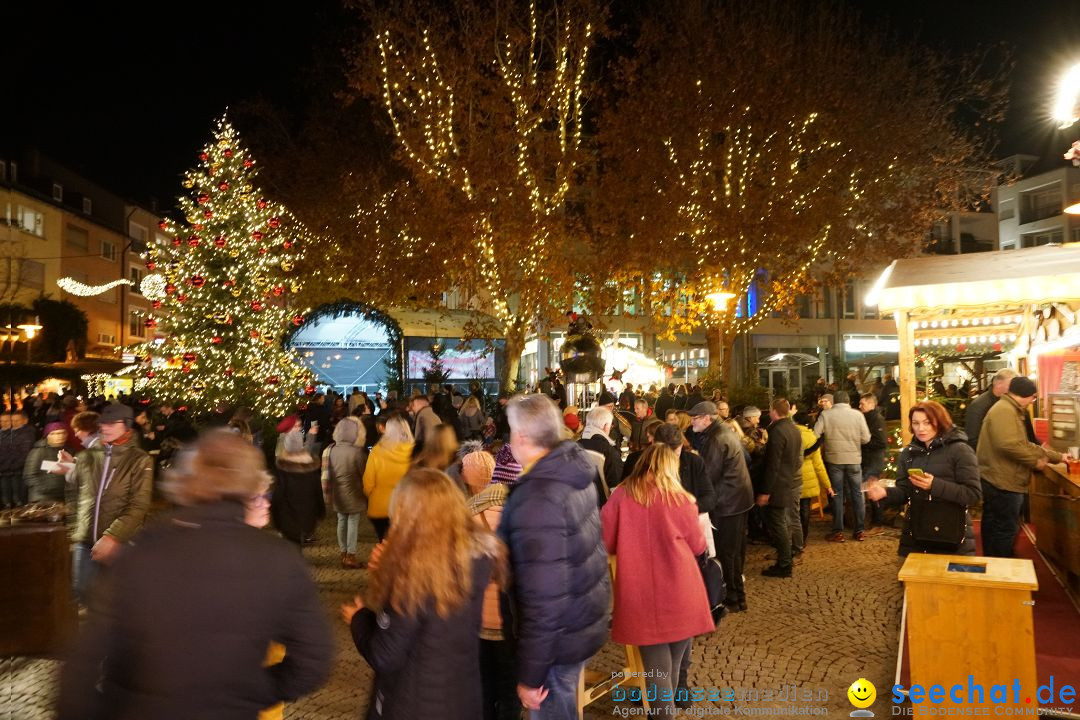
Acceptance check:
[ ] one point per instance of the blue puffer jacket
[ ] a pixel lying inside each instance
(561, 591)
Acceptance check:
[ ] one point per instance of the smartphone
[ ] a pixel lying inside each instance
(915, 471)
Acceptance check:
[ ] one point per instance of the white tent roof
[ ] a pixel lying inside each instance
(1005, 277)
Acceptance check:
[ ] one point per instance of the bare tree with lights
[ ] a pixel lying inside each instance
(755, 146)
(486, 106)
(221, 290)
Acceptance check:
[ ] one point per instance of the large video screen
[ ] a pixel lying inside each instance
(469, 363)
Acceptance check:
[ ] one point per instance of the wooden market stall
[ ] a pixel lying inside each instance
(1025, 305)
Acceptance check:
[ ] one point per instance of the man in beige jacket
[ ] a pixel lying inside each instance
(1006, 459)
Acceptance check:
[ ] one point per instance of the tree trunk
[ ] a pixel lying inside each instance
(515, 344)
(721, 343)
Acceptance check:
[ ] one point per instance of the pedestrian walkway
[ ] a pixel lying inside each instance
(835, 621)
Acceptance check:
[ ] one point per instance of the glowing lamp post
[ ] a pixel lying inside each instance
(719, 300)
(1067, 100)
(30, 329)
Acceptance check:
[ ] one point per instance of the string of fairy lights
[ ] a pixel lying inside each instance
(222, 290)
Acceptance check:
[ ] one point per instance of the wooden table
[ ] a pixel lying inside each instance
(37, 614)
(970, 624)
(1055, 513)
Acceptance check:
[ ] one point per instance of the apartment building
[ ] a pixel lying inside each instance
(1031, 210)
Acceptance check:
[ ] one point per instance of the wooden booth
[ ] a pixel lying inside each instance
(1022, 306)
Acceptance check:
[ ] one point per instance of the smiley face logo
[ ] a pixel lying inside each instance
(862, 693)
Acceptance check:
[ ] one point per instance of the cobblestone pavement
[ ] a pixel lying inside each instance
(836, 621)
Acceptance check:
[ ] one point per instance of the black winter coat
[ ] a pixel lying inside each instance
(725, 465)
(956, 479)
(782, 478)
(973, 417)
(695, 480)
(561, 590)
(297, 502)
(665, 402)
(188, 616)
(613, 462)
(425, 666)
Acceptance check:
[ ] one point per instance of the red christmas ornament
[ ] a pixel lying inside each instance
(150, 374)
(309, 390)
(170, 288)
(257, 235)
(193, 241)
(997, 347)
(278, 291)
(202, 198)
(181, 298)
(208, 214)
(155, 304)
(150, 322)
(248, 162)
(197, 281)
(274, 222)
(261, 203)
(220, 241)
(262, 251)
(254, 333)
(273, 380)
(188, 357)
(298, 320)
(287, 245)
(229, 372)
(204, 156)
(163, 224)
(227, 283)
(177, 242)
(223, 185)
(216, 340)
(227, 153)
(961, 347)
(197, 226)
(151, 265)
(186, 369)
(256, 305)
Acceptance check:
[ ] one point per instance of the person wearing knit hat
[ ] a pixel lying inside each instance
(298, 501)
(507, 468)
(477, 468)
(571, 419)
(1006, 460)
(43, 485)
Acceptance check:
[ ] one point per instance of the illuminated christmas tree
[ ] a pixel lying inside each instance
(222, 287)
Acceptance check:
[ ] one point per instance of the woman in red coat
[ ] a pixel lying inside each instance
(650, 525)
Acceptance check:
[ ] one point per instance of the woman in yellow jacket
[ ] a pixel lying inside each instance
(387, 463)
(814, 477)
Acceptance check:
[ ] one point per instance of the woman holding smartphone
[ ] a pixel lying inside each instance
(937, 467)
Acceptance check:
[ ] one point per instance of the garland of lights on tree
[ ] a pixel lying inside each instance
(221, 288)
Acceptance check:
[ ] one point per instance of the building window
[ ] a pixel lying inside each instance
(13, 175)
(136, 324)
(1040, 204)
(58, 192)
(136, 278)
(1076, 234)
(32, 274)
(825, 303)
(77, 237)
(1007, 210)
(803, 303)
(138, 232)
(106, 339)
(31, 221)
(849, 299)
(87, 206)
(1042, 237)
(108, 250)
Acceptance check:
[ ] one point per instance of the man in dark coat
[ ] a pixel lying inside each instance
(873, 456)
(889, 402)
(561, 589)
(692, 474)
(725, 466)
(782, 487)
(976, 411)
(665, 402)
(596, 437)
(17, 437)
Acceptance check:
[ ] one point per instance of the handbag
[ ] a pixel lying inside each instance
(938, 524)
(712, 574)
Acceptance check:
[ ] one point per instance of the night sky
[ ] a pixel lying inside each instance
(126, 96)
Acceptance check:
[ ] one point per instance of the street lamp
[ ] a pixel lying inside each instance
(719, 299)
(1067, 100)
(31, 329)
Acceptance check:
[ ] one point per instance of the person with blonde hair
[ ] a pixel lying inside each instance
(418, 623)
(387, 463)
(472, 419)
(440, 451)
(650, 524)
(190, 641)
(343, 484)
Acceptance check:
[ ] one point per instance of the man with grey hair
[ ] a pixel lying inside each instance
(597, 437)
(561, 590)
(977, 409)
(844, 432)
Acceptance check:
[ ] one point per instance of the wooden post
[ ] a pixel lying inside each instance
(906, 333)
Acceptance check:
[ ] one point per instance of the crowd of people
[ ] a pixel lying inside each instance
(515, 535)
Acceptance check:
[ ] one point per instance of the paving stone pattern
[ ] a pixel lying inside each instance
(835, 621)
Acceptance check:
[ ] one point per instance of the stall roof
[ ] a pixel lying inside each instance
(1004, 277)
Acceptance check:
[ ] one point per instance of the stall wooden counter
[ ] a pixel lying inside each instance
(37, 614)
(1055, 513)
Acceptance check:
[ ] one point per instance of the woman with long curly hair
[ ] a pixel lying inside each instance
(418, 624)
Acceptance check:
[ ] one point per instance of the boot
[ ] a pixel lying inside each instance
(351, 562)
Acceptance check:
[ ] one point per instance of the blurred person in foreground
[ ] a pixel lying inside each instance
(190, 641)
(419, 622)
